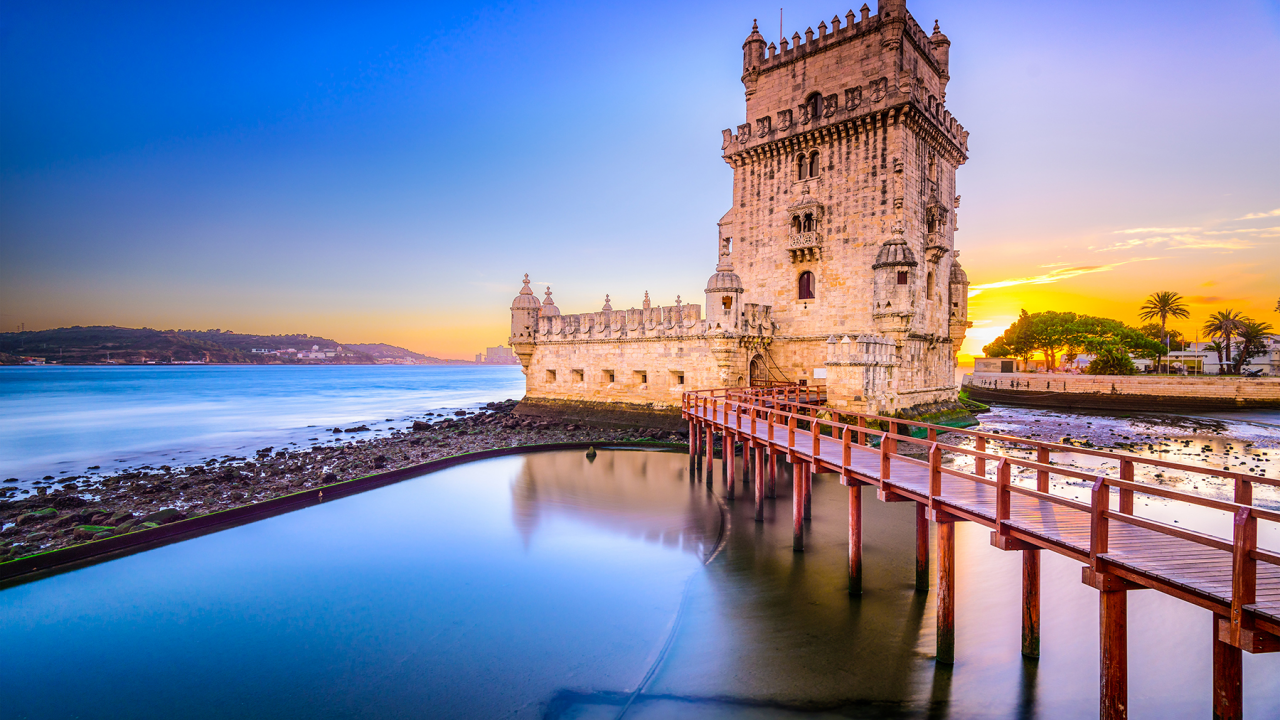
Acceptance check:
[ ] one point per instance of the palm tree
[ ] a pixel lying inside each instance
(1253, 337)
(1223, 325)
(1164, 305)
(1217, 347)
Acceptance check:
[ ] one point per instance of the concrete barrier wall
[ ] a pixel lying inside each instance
(1125, 391)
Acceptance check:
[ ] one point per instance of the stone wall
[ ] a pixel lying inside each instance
(1127, 392)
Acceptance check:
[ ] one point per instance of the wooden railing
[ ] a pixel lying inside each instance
(775, 415)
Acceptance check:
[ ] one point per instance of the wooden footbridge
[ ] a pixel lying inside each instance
(1232, 577)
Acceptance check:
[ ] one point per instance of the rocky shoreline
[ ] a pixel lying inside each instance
(97, 507)
(93, 507)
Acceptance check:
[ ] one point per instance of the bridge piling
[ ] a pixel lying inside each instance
(1031, 603)
(730, 469)
(1228, 677)
(773, 474)
(797, 508)
(946, 593)
(1114, 663)
(759, 467)
(808, 491)
(855, 536)
(922, 547)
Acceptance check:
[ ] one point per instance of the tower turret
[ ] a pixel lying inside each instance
(895, 280)
(959, 321)
(724, 294)
(752, 57)
(524, 315)
(941, 54)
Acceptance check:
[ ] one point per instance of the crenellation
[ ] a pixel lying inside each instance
(837, 228)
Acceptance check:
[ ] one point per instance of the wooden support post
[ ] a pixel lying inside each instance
(862, 433)
(808, 490)
(922, 547)
(884, 456)
(933, 435)
(693, 442)
(855, 536)
(1126, 495)
(791, 432)
(1042, 476)
(797, 508)
(947, 592)
(710, 450)
(1031, 603)
(980, 464)
(1244, 572)
(760, 472)
(1228, 679)
(726, 449)
(773, 474)
(846, 447)
(730, 464)
(1114, 661)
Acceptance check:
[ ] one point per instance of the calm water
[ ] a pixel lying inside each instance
(549, 586)
(61, 420)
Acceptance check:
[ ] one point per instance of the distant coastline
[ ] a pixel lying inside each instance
(111, 345)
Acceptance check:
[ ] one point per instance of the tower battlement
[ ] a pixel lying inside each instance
(834, 80)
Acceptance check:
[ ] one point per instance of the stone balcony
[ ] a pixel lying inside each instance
(804, 246)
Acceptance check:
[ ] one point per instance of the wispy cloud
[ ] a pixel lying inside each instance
(1264, 232)
(1053, 276)
(1255, 216)
(1145, 231)
(1212, 244)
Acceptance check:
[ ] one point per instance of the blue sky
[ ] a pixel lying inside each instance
(387, 172)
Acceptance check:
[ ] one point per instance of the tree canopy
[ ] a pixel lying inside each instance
(1062, 335)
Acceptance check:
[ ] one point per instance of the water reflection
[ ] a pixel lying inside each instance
(641, 495)
(550, 586)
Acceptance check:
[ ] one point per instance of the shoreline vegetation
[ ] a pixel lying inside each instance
(110, 345)
(92, 508)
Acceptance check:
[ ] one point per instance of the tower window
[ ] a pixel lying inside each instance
(808, 222)
(928, 287)
(802, 167)
(727, 301)
(902, 277)
(813, 164)
(806, 285)
(795, 224)
(813, 104)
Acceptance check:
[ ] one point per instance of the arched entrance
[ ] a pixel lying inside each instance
(759, 373)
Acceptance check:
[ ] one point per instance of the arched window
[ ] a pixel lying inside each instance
(806, 285)
(813, 164)
(928, 287)
(795, 224)
(802, 167)
(808, 222)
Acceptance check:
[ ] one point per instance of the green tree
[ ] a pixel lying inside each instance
(1164, 305)
(1253, 342)
(1064, 335)
(1015, 341)
(1111, 360)
(1223, 326)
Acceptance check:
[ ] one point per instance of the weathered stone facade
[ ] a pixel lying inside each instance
(837, 262)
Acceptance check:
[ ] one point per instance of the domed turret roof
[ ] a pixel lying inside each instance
(525, 300)
(755, 35)
(895, 253)
(724, 279)
(549, 308)
(958, 275)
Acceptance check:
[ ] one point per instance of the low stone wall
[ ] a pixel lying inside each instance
(611, 414)
(1124, 392)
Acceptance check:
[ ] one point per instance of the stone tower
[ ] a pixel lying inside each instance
(844, 195)
(836, 262)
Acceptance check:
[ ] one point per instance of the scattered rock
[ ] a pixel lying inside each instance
(162, 517)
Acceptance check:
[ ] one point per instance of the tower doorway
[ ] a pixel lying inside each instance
(759, 373)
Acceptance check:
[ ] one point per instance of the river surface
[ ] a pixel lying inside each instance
(549, 585)
(63, 420)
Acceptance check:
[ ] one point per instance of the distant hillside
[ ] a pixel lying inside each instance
(385, 352)
(103, 344)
